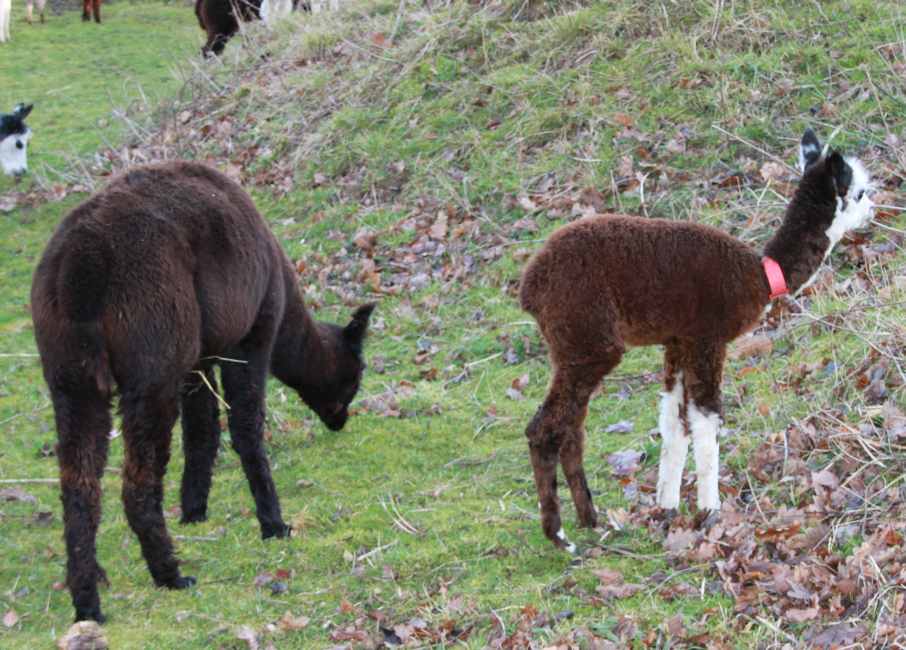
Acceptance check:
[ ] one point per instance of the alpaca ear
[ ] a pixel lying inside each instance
(355, 331)
(22, 110)
(809, 150)
(840, 172)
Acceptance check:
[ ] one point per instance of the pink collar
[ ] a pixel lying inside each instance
(775, 277)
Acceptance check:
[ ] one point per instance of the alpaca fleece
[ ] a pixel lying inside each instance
(603, 283)
(144, 288)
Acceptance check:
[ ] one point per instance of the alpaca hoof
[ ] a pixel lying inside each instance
(563, 542)
(85, 18)
(90, 614)
(193, 516)
(276, 530)
(182, 582)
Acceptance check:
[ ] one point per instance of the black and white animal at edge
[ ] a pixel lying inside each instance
(14, 137)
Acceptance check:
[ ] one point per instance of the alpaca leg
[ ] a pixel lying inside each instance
(702, 381)
(571, 457)
(83, 424)
(148, 420)
(705, 427)
(675, 439)
(29, 8)
(96, 9)
(86, 10)
(556, 431)
(201, 440)
(215, 44)
(244, 385)
(573, 447)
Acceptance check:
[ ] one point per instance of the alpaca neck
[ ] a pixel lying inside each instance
(299, 351)
(800, 244)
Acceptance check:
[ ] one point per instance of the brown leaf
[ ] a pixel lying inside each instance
(16, 494)
(439, 228)
(825, 478)
(757, 345)
(773, 171)
(840, 635)
(289, 622)
(247, 634)
(609, 576)
(680, 540)
(10, 618)
(624, 463)
(365, 240)
(623, 120)
(675, 627)
(263, 579)
(608, 592)
(527, 204)
(8, 202)
(802, 615)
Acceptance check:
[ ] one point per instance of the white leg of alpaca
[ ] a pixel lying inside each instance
(674, 446)
(705, 427)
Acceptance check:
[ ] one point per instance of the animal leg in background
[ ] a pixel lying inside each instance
(91, 8)
(201, 440)
(29, 10)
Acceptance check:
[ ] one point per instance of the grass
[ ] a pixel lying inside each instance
(78, 74)
(362, 122)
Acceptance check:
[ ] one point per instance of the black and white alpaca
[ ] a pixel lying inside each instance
(14, 137)
(833, 198)
(604, 283)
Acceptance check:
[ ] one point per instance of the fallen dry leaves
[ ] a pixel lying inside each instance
(814, 536)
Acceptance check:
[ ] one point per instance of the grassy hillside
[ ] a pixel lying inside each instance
(417, 158)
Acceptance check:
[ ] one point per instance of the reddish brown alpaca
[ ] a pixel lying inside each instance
(91, 8)
(146, 286)
(603, 283)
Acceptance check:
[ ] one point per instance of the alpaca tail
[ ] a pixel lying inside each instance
(83, 285)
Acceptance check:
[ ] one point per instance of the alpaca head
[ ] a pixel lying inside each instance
(843, 182)
(14, 137)
(331, 395)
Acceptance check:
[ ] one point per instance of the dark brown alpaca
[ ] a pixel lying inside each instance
(91, 8)
(607, 282)
(219, 19)
(146, 286)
